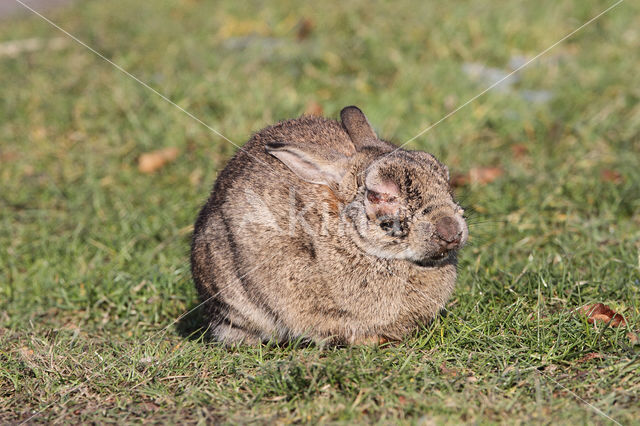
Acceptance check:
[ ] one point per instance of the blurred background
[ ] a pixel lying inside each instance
(101, 179)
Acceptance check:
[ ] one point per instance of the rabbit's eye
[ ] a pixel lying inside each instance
(378, 197)
(386, 225)
(374, 197)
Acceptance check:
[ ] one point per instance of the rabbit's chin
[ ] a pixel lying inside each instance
(430, 259)
(437, 260)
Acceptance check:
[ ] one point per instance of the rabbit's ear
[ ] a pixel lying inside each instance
(357, 126)
(308, 165)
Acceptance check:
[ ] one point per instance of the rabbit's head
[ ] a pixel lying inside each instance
(404, 209)
(397, 204)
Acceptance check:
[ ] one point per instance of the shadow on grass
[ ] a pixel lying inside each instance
(193, 326)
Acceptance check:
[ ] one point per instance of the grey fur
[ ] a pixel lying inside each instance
(334, 241)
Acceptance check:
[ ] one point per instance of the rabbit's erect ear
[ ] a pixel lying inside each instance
(357, 126)
(310, 166)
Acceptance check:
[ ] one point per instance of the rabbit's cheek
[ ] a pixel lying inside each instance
(422, 231)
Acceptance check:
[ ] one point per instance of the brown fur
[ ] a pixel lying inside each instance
(293, 241)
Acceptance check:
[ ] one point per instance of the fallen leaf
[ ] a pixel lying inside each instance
(633, 338)
(8, 156)
(603, 313)
(613, 176)
(313, 108)
(477, 175)
(305, 28)
(589, 357)
(26, 352)
(447, 371)
(519, 150)
(150, 162)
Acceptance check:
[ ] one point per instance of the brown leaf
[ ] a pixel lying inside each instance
(613, 176)
(305, 28)
(519, 150)
(603, 313)
(149, 162)
(8, 156)
(477, 175)
(313, 108)
(589, 357)
(448, 371)
(633, 338)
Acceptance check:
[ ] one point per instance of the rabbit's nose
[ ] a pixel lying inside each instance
(448, 232)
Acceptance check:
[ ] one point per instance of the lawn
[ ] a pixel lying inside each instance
(94, 272)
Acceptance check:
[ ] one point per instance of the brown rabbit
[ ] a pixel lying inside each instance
(318, 229)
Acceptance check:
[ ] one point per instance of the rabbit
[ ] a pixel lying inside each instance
(319, 230)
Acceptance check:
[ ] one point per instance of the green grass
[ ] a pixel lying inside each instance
(94, 254)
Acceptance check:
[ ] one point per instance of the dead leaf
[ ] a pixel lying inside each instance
(27, 352)
(458, 180)
(519, 150)
(8, 156)
(305, 28)
(613, 176)
(477, 175)
(313, 108)
(589, 357)
(603, 313)
(150, 162)
(633, 338)
(447, 371)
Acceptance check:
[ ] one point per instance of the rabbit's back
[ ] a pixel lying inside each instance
(246, 230)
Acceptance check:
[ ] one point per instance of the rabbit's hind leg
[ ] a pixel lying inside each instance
(229, 333)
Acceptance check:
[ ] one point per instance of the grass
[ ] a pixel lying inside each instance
(94, 254)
